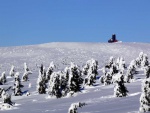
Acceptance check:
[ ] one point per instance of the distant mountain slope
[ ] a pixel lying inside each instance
(64, 53)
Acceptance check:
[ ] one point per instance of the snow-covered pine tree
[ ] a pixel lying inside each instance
(129, 76)
(17, 85)
(90, 79)
(64, 83)
(6, 97)
(147, 71)
(131, 71)
(145, 96)
(141, 56)
(90, 67)
(41, 81)
(111, 62)
(91, 70)
(55, 88)
(113, 69)
(26, 73)
(74, 107)
(67, 71)
(142, 60)
(75, 78)
(12, 71)
(1, 90)
(145, 61)
(3, 79)
(86, 67)
(119, 89)
(120, 63)
(107, 78)
(50, 70)
(58, 84)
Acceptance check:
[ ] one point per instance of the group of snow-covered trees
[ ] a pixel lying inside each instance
(69, 81)
(113, 73)
(116, 72)
(16, 88)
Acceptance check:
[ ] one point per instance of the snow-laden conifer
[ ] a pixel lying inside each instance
(147, 71)
(120, 63)
(6, 97)
(145, 96)
(90, 70)
(131, 70)
(119, 89)
(142, 60)
(50, 70)
(12, 71)
(55, 86)
(41, 81)
(17, 85)
(75, 80)
(3, 79)
(111, 62)
(107, 78)
(145, 61)
(26, 73)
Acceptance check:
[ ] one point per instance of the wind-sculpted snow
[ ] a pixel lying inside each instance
(99, 98)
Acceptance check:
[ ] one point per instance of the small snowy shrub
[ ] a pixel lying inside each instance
(74, 107)
(26, 73)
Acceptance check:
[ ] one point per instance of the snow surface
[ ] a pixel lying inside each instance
(99, 98)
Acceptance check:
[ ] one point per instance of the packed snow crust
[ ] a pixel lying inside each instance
(99, 98)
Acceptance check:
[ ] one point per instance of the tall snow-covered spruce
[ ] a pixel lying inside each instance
(55, 87)
(145, 96)
(90, 70)
(119, 90)
(17, 85)
(41, 81)
(75, 80)
(49, 71)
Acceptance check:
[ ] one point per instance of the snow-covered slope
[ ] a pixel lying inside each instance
(99, 98)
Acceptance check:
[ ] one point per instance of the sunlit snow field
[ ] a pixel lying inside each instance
(99, 98)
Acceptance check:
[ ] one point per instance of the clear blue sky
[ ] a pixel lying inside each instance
(26, 22)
